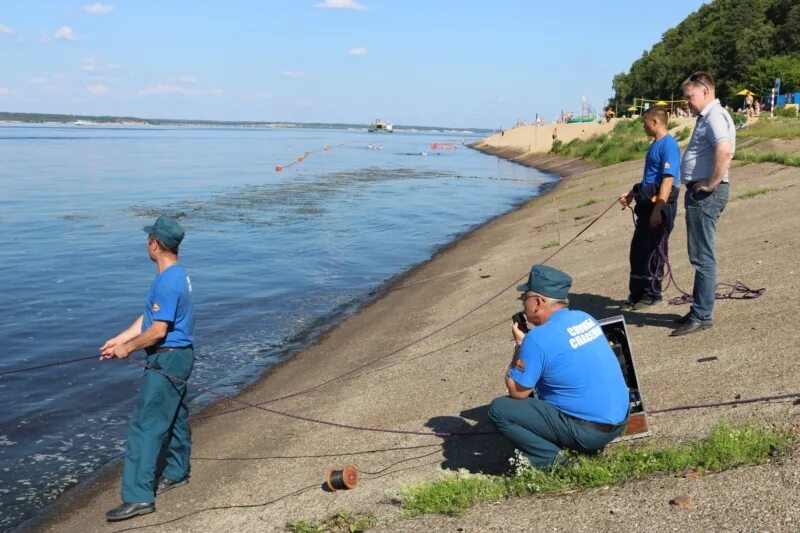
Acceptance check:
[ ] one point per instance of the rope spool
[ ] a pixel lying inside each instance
(344, 479)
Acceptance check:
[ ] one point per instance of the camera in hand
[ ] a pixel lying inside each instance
(521, 322)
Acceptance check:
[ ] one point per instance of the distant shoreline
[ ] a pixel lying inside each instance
(103, 120)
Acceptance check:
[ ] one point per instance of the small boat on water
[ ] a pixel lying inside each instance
(380, 126)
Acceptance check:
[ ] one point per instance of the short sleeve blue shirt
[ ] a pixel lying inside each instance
(663, 158)
(570, 364)
(170, 300)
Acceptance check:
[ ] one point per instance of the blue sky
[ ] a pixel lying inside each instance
(433, 63)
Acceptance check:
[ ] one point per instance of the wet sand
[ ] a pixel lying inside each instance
(255, 469)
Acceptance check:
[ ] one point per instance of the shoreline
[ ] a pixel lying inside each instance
(460, 278)
(108, 474)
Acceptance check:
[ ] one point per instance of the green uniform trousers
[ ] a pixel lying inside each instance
(161, 418)
(540, 431)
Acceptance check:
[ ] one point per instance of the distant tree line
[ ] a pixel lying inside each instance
(741, 43)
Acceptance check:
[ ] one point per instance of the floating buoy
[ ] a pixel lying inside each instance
(278, 168)
(344, 479)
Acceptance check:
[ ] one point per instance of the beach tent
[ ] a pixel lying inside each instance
(739, 98)
(662, 103)
(633, 108)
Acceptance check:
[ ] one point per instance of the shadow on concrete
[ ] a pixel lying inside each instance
(486, 453)
(600, 307)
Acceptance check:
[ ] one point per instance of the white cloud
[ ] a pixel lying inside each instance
(4, 90)
(6, 29)
(342, 4)
(168, 88)
(294, 73)
(58, 83)
(98, 9)
(97, 89)
(90, 64)
(173, 88)
(258, 96)
(65, 33)
(360, 51)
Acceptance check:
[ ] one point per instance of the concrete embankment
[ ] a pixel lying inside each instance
(256, 469)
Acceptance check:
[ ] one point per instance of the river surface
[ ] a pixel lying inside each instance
(274, 257)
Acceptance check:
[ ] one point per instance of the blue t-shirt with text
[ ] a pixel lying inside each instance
(170, 300)
(570, 364)
(663, 157)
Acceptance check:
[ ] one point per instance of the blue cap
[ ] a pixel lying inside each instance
(547, 281)
(167, 231)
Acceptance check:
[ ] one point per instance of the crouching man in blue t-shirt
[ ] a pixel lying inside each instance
(580, 399)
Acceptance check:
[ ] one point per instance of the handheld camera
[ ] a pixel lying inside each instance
(521, 322)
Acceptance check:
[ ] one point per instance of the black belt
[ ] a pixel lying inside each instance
(167, 349)
(606, 428)
(691, 184)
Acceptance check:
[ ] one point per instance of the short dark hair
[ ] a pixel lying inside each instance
(161, 245)
(700, 79)
(657, 113)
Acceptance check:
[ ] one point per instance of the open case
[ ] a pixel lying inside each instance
(617, 334)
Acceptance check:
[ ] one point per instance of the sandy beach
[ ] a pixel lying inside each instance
(429, 354)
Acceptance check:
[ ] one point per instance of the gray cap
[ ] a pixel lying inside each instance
(167, 231)
(547, 281)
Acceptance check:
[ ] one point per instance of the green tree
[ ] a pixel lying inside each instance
(763, 71)
(733, 40)
(787, 35)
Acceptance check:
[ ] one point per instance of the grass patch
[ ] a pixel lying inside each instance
(341, 522)
(782, 158)
(775, 128)
(683, 134)
(590, 201)
(604, 183)
(550, 245)
(756, 192)
(724, 448)
(627, 141)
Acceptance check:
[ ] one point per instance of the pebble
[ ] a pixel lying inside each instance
(681, 501)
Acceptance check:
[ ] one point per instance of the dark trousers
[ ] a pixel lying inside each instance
(649, 251)
(161, 418)
(540, 431)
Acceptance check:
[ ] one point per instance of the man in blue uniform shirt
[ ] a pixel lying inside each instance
(165, 332)
(656, 205)
(565, 386)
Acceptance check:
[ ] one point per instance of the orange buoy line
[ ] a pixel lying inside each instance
(300, 158)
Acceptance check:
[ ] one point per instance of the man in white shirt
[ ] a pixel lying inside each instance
(704, 171)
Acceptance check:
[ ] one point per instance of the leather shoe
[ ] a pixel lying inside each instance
(124, 511)
(692, 325)
(684, 319)
(165, 484)
(645, 303)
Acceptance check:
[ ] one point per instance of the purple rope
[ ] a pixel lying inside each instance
(723, 404)
(737, 290)
(306, 418)
(46, 365)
